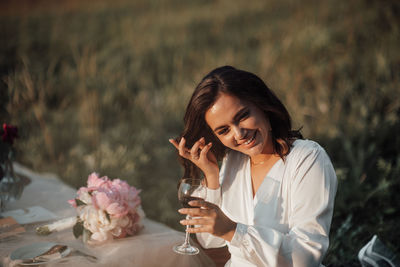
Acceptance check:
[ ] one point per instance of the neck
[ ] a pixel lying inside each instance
(261, 158)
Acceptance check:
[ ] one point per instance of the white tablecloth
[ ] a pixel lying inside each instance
(151, 247)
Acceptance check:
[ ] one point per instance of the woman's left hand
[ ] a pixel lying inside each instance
(208, 218)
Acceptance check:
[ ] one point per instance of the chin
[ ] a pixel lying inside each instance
(254, 151)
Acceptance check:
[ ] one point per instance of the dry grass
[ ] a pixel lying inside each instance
(101, 86)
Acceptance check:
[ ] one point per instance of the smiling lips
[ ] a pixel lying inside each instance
(249, 141)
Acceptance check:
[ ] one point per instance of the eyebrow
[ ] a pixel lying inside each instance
(235, 118)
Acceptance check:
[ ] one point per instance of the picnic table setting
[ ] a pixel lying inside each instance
(46, 222)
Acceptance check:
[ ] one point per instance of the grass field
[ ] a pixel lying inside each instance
(101, 86)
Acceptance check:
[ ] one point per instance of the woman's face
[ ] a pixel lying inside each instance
(240, 125)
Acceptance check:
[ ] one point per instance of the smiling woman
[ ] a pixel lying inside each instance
(272, 199)
(243, 127)
(240, 125)
(211, 116)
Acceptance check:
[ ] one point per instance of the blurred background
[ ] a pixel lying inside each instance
(101, 86)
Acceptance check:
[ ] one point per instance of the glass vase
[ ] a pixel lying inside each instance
(11, 185)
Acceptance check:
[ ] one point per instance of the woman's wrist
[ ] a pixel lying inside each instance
(212, 181)
(228, 236)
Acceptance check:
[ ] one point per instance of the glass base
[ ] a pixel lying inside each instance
(186, 249)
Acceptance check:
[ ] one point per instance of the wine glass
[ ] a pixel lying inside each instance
(189, 189)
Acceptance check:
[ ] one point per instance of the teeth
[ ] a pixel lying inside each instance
(249, 141)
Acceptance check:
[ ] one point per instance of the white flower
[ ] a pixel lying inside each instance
(85, 197)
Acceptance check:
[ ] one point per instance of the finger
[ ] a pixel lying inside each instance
(202, 143)
(182, 149)
(205, 150)
(194, 152)
(201, 229)
(172, 141)
(194, 221)
(196, 145)
(202, 204)
(195, 212)
(190, 211)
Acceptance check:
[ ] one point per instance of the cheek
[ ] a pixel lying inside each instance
(226, 141)
(258, 122)
(250, 124)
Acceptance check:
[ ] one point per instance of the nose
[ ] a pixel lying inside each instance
(239, 132)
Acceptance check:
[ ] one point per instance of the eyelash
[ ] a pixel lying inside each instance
(244, 115)
(242, 118)
(223, 131)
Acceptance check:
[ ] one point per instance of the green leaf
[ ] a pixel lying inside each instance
(86, 235)
(78, 229)
(79, 202)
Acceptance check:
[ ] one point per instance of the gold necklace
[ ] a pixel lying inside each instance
(258, 163)
(261, 162)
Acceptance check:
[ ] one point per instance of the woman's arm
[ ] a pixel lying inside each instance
(312, 191)
(203, 158)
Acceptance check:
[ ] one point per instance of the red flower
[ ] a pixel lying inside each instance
(9, 133)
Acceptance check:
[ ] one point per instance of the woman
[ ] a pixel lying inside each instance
(272, 199)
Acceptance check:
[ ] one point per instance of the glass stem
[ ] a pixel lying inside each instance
(187, 233)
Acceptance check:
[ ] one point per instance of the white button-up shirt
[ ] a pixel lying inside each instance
(287, 222)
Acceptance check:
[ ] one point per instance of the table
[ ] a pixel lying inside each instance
(151, 247)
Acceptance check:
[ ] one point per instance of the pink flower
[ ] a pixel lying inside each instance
(110, 200)
(129, 194)
(72, 202)
(94, 181)
(117, 209)
(101, 200)
(82, 190)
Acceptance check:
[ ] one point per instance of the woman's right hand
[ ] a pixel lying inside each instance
(202, 157)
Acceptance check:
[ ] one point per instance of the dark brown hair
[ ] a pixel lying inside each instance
(246, 86)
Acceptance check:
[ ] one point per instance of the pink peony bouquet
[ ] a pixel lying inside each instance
(107, 209)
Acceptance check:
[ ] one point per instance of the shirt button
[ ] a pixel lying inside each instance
(245, 243)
